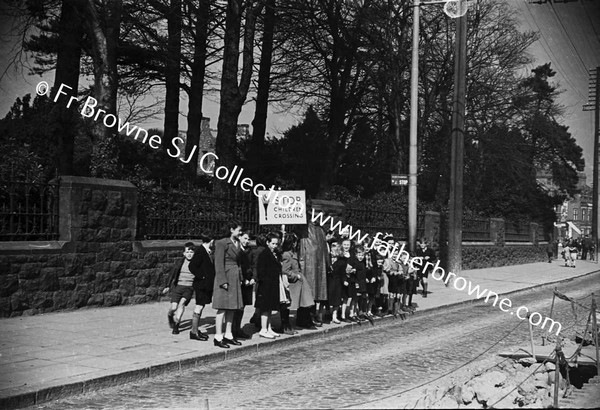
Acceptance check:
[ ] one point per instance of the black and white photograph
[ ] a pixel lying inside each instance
(299, 204)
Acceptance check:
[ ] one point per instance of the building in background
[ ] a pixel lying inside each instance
(574, 216)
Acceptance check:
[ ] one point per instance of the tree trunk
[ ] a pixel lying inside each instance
(172, 73)
(259, 124)
(67, 73)
(232, 94)
(197, 84)
(104, 35)
(335, 128)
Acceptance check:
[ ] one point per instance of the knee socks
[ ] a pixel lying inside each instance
(195, 322)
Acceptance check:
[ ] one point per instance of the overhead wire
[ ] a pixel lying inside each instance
(546, 46)
(583, 66)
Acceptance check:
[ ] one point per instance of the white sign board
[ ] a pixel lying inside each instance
(282, 207)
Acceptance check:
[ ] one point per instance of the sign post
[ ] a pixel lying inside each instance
(399, 180)
(281, 208)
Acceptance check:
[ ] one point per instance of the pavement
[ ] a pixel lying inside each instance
(54, 355)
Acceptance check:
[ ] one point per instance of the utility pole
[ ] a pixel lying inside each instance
(455, 203)
(414, 112)
(594, 105)
(452, 8)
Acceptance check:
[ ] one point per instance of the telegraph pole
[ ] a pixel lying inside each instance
(414, 111)
(455, 203)
(594, 105)
(452, 8)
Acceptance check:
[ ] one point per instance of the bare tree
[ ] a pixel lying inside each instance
(259, 124)
(196, 92)
(233, 94)
(102, 28)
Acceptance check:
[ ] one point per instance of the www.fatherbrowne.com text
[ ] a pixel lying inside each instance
(399, 253)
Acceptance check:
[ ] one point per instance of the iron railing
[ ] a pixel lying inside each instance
(373, 221)
(517, 231)
(171, 213)
(476, 230)
(28, 211)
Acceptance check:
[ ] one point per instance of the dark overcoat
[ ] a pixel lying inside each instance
(268, 271)
(247, 275)
(336, 282)
(203, 269)
(227, 271)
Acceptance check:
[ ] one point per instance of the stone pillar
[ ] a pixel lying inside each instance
(97, 210)
(533, 234)
(497, 231)
(431, 227)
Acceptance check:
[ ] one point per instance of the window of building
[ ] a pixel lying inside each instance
(584, 214)
(575, 214)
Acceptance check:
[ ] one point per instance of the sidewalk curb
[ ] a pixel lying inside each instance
(65, 390)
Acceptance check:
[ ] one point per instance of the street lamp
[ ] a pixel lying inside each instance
(454, 9)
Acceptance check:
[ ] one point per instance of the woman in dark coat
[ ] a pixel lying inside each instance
(227, 289)
(268, 270)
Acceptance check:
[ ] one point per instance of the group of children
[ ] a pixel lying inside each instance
(364, 282)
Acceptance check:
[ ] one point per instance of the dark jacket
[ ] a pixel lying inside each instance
(268, 271)
(254, 260)
(203, 269)
(247, 275)
(176, 270)
(335, 282)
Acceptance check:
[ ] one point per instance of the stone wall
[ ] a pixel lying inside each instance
(477, 256)
(111, 274)
(96, 262)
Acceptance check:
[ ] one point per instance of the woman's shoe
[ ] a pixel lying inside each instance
(337, 322)
(231, 341)
(221, 344)
(266, 334)
(272, 333)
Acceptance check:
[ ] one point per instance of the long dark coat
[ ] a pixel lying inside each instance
(227, 270)
(336, 282)
(268, 271)
(247, 274)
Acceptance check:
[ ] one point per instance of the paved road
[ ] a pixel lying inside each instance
(346, 370)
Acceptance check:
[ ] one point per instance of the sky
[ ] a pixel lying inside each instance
(569, 39)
